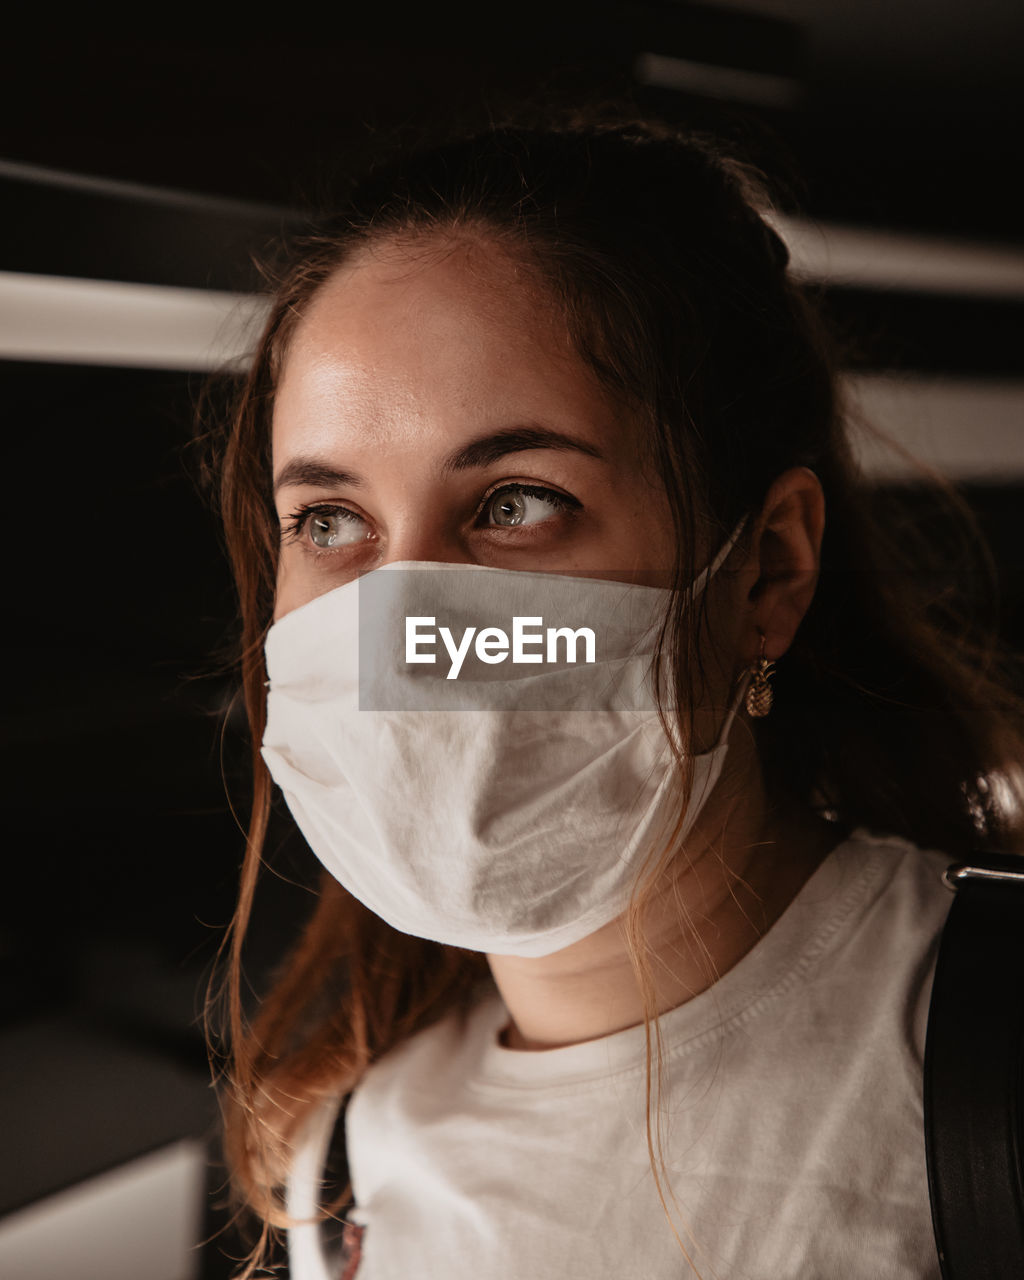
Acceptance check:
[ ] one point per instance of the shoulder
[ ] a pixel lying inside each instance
(904, 888)
(881, 961)
(890, 891)
(872, 902)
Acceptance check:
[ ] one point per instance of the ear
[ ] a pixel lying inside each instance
(784, 561)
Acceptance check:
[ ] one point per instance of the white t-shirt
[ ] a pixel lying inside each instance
(791, 1112)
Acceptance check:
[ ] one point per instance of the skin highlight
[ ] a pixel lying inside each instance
(411, 354)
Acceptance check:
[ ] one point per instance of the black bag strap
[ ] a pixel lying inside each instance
(974, 1074)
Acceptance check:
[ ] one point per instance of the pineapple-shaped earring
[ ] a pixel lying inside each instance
(759, 692)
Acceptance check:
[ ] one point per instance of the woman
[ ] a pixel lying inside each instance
(622, 966)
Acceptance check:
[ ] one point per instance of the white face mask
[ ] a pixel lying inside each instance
(506, 809)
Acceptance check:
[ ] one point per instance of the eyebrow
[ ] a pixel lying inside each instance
(478, 453)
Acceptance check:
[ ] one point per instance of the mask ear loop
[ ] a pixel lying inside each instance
(698, 585)
(693, 592)
(742, 682)
(702, 579)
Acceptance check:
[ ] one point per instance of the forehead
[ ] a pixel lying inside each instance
(457, 330)
(431, 276)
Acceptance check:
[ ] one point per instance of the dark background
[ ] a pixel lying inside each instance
(122, 850)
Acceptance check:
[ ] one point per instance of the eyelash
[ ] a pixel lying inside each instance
(294, 525)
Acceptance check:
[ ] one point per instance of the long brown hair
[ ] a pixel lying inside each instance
(890, 711)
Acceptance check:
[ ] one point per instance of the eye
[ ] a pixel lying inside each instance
(522, 504)
(326, 527)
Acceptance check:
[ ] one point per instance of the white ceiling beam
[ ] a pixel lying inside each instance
(732, 84)
(65, 320)
(966, 429)
(833, 253)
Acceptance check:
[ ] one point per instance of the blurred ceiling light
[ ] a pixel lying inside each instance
(64, 320)
(868, 258)
(708, 80)
(967, 429)
(144, 193)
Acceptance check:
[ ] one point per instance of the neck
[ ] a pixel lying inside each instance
(743, 864)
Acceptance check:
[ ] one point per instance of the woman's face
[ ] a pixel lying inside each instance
(431, 407)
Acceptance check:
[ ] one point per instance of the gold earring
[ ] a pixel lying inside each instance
(759, 692)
